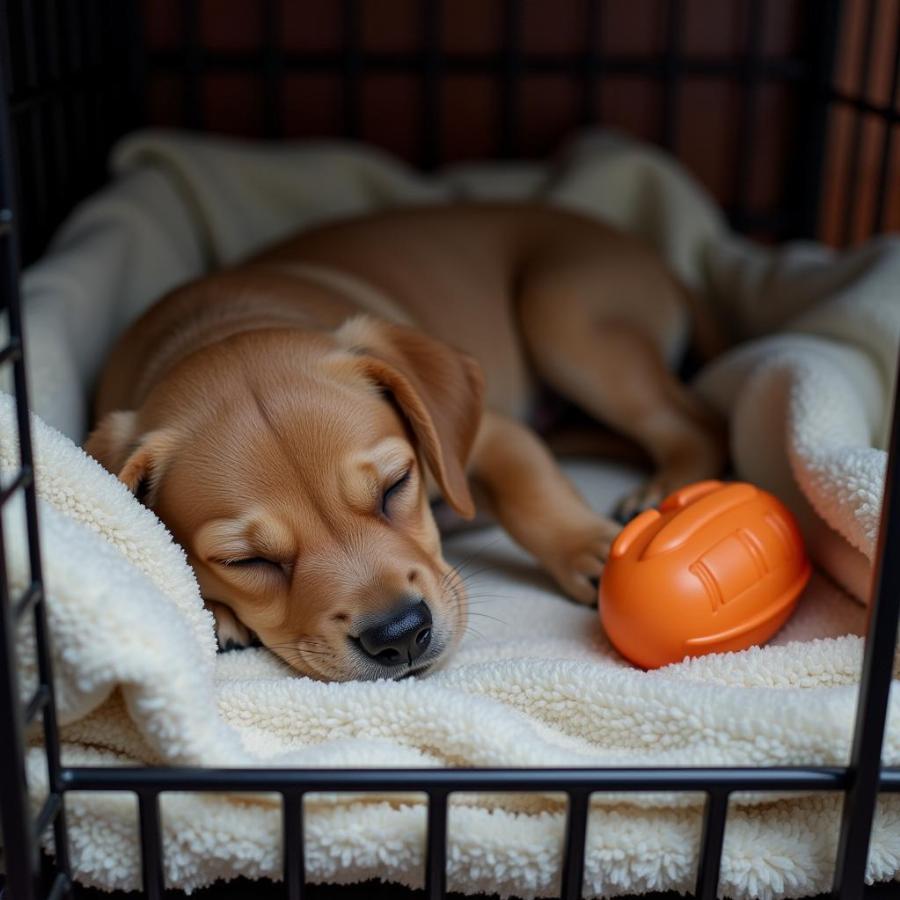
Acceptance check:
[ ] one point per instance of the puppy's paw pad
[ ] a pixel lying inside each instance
(231, 634)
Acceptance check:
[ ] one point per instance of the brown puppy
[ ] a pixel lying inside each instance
(290, 418)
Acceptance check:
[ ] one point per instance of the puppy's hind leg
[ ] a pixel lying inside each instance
(615, 371)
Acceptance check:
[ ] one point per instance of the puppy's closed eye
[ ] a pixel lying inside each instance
(250, 561)
(256, 566)
(394, 490)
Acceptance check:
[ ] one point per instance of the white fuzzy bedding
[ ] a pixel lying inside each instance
(535, 682)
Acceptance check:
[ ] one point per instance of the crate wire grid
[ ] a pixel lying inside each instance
(65, 82)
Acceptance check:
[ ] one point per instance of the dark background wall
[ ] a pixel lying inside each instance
(705, 114)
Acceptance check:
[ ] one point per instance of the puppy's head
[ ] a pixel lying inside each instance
(293, 468)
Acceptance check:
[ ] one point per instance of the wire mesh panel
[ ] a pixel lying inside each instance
(70, 70)
(439, 784)
(874, 691)
(862, 195)
(21, 833)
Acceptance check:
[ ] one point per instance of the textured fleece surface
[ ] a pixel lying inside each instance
(535, 682)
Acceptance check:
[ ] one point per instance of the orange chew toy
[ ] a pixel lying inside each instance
(716, 567)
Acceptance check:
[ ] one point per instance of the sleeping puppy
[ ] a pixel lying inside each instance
(291, 418)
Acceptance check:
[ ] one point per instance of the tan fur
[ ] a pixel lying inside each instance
(262, 413)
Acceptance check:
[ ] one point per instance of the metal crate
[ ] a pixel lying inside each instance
(73, 76)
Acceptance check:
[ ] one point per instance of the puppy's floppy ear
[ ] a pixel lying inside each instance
(439, 390)
(137, 459)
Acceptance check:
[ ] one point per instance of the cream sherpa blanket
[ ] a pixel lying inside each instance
(535, 682)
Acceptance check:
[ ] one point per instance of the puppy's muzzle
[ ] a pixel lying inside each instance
(399, 637)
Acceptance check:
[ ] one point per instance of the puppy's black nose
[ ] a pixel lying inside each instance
(400, 637)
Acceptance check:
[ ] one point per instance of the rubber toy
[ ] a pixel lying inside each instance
(716, 567)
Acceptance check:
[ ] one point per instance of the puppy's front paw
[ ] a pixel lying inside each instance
(578, 559)
(231, 634)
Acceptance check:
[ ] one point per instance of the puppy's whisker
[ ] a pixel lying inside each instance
(483, 548)
(286, 665)
(459, 568)
(463, 583)
(486, 616)
(469, 630)
(462, 578)
(306, 648)
(295, 643)
(465, 588)
(293, 659)
(300, 639)
(483, 603)
(294, 646)
(490, 567)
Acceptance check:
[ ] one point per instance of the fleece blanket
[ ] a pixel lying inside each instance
(535, 682)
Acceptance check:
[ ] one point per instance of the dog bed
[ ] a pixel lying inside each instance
(535, 683)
